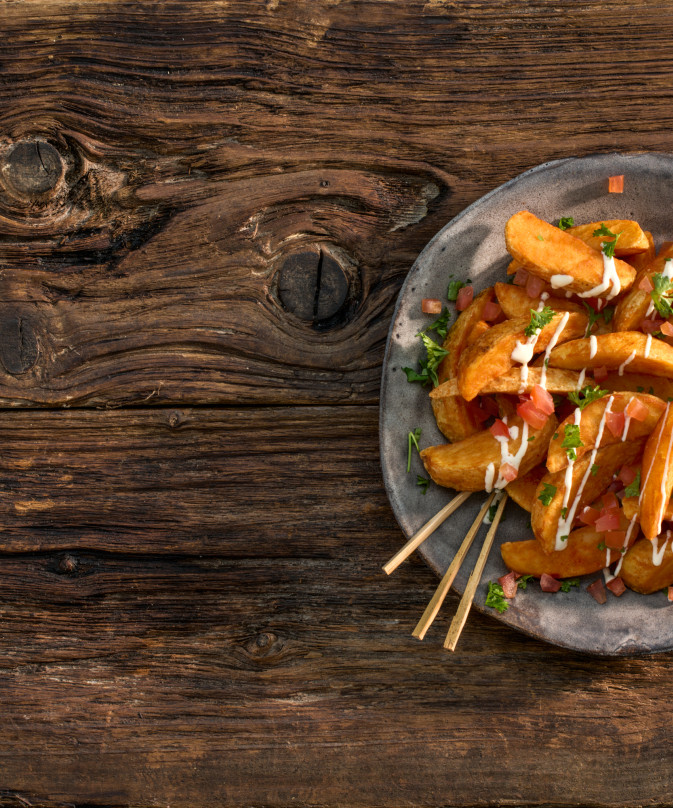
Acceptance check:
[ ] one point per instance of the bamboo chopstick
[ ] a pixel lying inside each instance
(445, 584)
(421, 535)
(468, 595)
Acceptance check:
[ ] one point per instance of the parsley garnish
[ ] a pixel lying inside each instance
(662, 294)
(608, 247)
(633, 489)
(592, 314)
(564, 538)
(608, 313)
(539, 237)
(412, 441)
(496, 597)
(603, 231)
(522, 583)
(428, 373)
(588, 394)
(602, 545)
(564, 513)
(548, 493)
(565, 222)
(532, 438)
(538, 320)
(453, 289)
(423, 483)
(568, 583)
(594, 470)
(440, 325)
(571, 440)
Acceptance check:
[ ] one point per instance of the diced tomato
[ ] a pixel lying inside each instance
(589, 515)
(534, 286)
(542, 399)
(627, 474)
(520, 277)
(508, 472)
(614, 539)
(464, 297)
(667, 328)
(616, 586)
(645, 284)
(607, 521)
(615, 423)
(616, 486)
(616, 184)
(491, 311)
(489, 405)
(597, 591)
(610, 502)
(636, 409)
(431, 305)
(601, 373)
(648, 326)
(509, 584)
(670, 593)
(549, 584)
(531, 414)
(499, 429)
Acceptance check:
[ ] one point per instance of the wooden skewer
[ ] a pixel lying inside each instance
(445, 584)
(421, 535)
(468, 595)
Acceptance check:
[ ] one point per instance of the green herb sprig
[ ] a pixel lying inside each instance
(538, 320)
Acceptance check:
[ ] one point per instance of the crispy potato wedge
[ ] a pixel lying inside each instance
(581, 556)
(632, 240)
(455, 418)
(590, 421)
(479, 328)
(641, 260)
(557, 381)
(491, 355)
(633, 307)
(657, 475)
(639, 570)
(522, 490)
(463, 465)
(631, 508)
(659, 386)
(545, 251)
(515, 301)
(630, 349)
(609, 459)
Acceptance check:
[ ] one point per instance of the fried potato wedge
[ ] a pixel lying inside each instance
(583, 484)
(515, 301)
(657, 475)
(546, 251)
(631, 508)
(556, 381)
(634, 306)
(581, 556)
(522, 490)
(491, 355)
(590, 425)
(639, 570)
(659, 386)
(631, 241)
(641, 260)
(624, 349)
(463, 465)
(478, 329)
(455, 418)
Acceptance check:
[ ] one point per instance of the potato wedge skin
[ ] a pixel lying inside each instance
(556, 381)
(590, 419)
(657, 475)
(632, 239)
(515, 301)
(659, 386)
(640, 573)
(631, 508)
(491, 355)
(632, 308)
(609, 459)
(544, 250)
(613, 350)
(462, 465)
(522, 490)
(581, 556)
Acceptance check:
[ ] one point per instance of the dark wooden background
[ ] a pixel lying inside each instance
(206, 212)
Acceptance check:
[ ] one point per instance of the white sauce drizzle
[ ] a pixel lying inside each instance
(651, 466)
(629, 530)
(524, 351)
(580, 380)
(487, 519)
(664, 478)
(648, 345)
(627, 424)
(488, 480)
(593, 346)
(626, 362)
(515, 459)
(558, 281)
(610, 282)
(552, 344)
(658, 553)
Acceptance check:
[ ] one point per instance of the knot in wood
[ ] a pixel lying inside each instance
(68, 564)
(313, 286)
(175, 419)
(32, 167)
(18, 343)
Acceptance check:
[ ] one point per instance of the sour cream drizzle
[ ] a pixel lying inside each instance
(629, 531)
(559, 281)
(657, 552)
(648, 345)
(626, 362)
(524, 351)
(610, 282)
(580, 380)
(552, 344)
(515, 459)
(593, 346)
(490, 475)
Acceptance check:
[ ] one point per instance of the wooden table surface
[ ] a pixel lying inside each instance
(206, 213)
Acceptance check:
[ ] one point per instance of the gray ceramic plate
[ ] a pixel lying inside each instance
(473, 246)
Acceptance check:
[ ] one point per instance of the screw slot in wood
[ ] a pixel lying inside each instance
(313, 286)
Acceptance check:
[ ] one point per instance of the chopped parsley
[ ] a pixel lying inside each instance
(428, 366)
(453, 288)
(564, 513)
(496, 597)
(522, 583)
(548, 493)
(564, 538)
(602, 545)
(412, 440)
(608, 247)
(441, 325)
(568, 583)
(592, 314)
(662, 294)
(539, 237)
(608, 313)
(423, 482)
(565, 222)
(532, 438)
(571, 440)
(586, 395)
(492, 511)
(594, 469)
(633, 489)
(538, 320)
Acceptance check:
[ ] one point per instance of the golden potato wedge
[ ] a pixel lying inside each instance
(515, 301)
(639, 570)
(625, 349)
(491, 355)
(546, 251)
(479, 328)
(581, 556)
(522, 490)
(556, 381)
(463, 465)
(583, 484)
(657, 475)
(632, 240)
(631, 508)
(455, 418)
(633, 307)
(659, 386)
(641, 260)
(590, 421)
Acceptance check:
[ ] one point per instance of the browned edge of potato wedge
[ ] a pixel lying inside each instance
(627, 349)
(580, 556)
(657, 475)
(640, 573)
